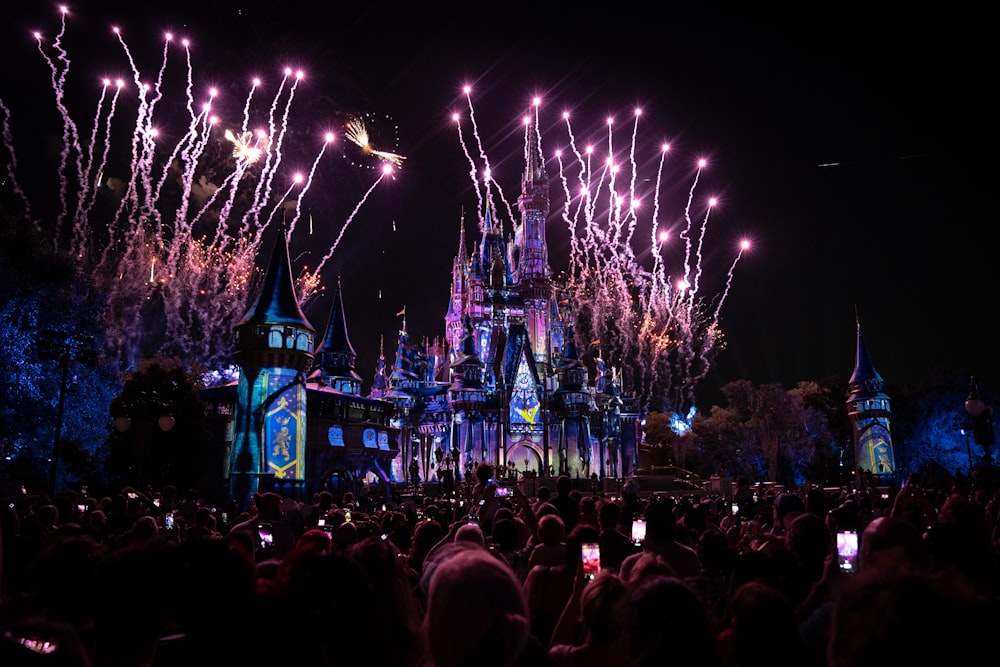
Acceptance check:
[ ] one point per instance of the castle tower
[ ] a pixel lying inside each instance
(869, 411)
(532, 272)
(335, 357)
(467, 399)
(380, 385)
(274, 350)
(573, 403)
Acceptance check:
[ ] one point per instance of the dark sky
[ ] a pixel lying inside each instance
(852, 147)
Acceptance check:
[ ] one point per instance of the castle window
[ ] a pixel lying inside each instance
(275, 338)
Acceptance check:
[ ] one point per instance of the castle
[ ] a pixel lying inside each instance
(506, 385)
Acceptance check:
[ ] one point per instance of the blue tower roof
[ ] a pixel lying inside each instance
(276, 302)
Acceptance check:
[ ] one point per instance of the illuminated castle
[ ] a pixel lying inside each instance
(506, 385)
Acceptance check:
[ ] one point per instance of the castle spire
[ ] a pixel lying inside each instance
(276, 303)
(336, 355)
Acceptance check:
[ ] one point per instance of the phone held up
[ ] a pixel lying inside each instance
(266, 536)
(847, 550)
(591, 555)
(638, 531)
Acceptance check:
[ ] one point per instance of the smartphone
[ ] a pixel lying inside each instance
(168, 521)
(591, 555)
(156, 501)
(847, 550)
(132, 495)
(503, 492)
(638, 531)
(266, 536)
(735, 508)
(225, 517)
(321, 522)
(347, 514)
(79, 508)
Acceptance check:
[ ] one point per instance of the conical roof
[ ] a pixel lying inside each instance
(276, 302)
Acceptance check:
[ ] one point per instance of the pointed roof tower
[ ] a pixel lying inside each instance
(276, 303)
(865, 381)
(275, 332)
(335, 356)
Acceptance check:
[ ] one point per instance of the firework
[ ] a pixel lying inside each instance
(647, 300)
(168, 221)
(357, 132)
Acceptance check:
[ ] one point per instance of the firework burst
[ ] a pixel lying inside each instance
(172, 237)
(625, 285)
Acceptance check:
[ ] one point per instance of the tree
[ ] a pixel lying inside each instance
(147, 450)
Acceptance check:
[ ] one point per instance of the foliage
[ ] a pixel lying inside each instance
(45, 297)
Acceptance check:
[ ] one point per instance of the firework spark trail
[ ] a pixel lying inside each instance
(279, 138)
(58, 80)
(327, 140)
(8, 140)
(162, 251)
(386, 171)
(472, 165)
(482, 156)
(92, 167)
(260, 194)
(145, 130)
(661, 334)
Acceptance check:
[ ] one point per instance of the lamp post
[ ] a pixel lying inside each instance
(65, 349)
(139, 413)
(981, 415)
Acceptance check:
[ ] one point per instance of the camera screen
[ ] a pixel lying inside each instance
(847, 550)
(638, 531)
(266, 537)
(591, 554)
(503, 492)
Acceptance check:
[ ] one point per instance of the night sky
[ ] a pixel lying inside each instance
(851, 147)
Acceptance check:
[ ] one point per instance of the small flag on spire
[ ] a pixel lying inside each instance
(401, 313)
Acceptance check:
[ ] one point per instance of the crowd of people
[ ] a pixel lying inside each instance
(497, 578)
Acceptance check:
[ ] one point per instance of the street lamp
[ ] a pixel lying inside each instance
(143, 407)
(981, 414)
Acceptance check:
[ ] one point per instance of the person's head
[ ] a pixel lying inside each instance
(505, 535)
(668, 624)
(913, 619)
(788, 505)
(660, 522)
(763, 623)
(345, 536)
(602, 607)
(476, 611)
(543, 494)
(484, 473)
(564, 485)
(472, 533)
(551, 530)
(316, 539)
(268, 505)
(608, 514)
(891, 547)
(808, 539)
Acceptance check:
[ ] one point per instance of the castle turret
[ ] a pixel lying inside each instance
(869, 410)
(380, 384)
(274, 350)
(335, 357)
(573, 403)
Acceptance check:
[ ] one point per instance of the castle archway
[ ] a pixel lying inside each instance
(524, 457)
